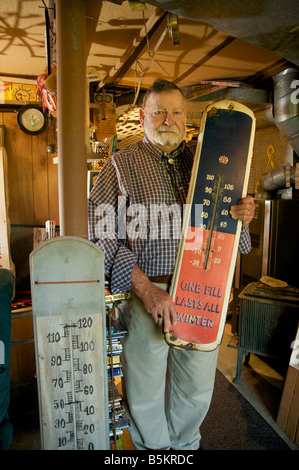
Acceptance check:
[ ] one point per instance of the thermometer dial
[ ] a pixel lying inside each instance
(31, 119)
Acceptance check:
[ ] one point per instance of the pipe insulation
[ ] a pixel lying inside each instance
(286, 118)
(277, 179)
(286, 105)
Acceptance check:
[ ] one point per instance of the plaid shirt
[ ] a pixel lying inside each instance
(140, 177)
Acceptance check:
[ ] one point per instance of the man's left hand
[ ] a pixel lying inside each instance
(244, 210)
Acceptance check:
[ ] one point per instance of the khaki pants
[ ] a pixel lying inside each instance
(163, 413)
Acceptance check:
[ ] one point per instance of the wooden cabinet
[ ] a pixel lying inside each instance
(32, 175)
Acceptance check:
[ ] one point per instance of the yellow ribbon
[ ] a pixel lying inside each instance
(270, 155)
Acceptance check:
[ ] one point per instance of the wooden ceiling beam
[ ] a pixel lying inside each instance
(118, 71)
(204, 59)
(269, 71)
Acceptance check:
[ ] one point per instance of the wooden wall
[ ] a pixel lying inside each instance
(32, 175)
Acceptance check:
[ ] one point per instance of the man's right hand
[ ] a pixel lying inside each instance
(156, 301)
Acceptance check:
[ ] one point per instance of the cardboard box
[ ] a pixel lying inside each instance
(288, 413)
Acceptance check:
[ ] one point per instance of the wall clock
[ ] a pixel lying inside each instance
(31, 119)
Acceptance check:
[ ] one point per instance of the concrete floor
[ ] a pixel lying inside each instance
(259, 383)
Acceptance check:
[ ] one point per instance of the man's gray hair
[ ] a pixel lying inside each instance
(160, 86)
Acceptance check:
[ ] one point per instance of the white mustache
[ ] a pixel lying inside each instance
(168, 128)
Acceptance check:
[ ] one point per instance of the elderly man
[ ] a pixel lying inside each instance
(163, 413)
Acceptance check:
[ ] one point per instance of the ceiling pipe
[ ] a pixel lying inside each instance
(286, 105)
(286, 118)
(279, 178)
(71, 118)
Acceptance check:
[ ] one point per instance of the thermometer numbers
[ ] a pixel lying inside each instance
(70, 372)
(225, 199)
(217, 196)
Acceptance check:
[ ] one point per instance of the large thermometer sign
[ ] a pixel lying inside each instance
(208, 248)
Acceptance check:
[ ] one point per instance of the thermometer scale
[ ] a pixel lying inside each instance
(202, 278)
(68, 300)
